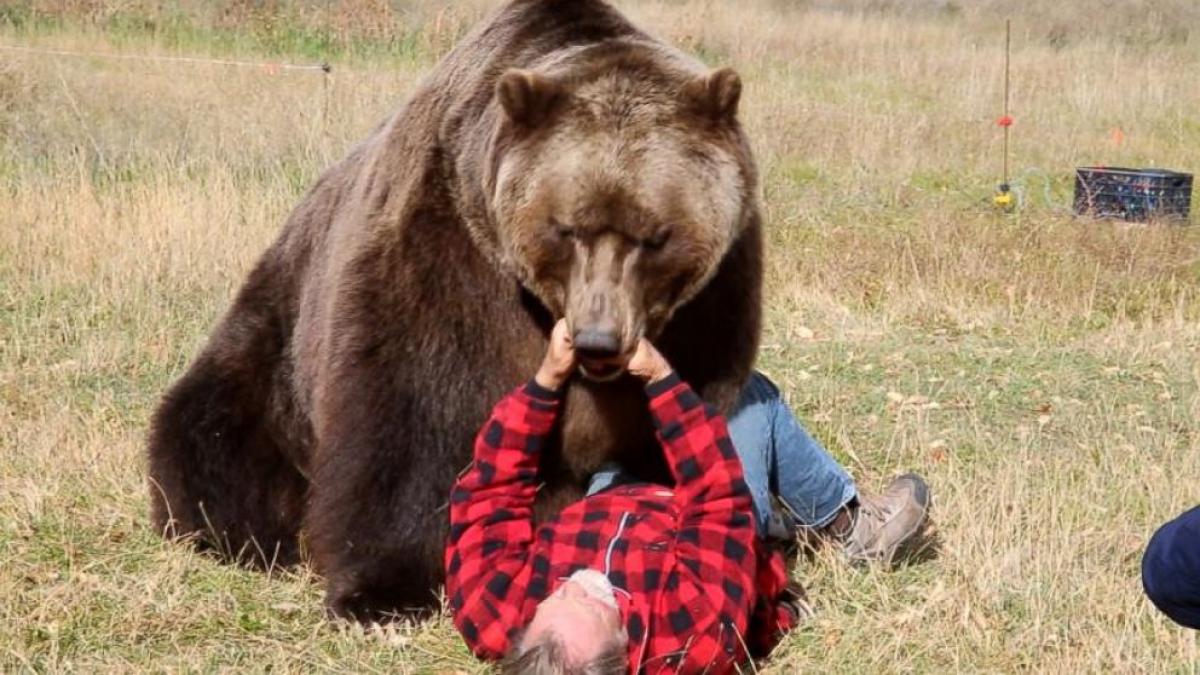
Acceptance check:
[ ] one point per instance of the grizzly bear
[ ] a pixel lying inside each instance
(559, 162)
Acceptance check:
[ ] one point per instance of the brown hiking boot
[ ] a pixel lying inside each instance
(883, 523)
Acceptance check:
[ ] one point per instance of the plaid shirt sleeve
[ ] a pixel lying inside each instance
(710, 591)
(491, 522)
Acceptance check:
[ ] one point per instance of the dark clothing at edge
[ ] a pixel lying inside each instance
(1171, 569)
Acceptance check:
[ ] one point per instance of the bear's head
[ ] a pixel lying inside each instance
(619, 180)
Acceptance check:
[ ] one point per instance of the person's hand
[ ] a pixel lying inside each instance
(647, 364)
(559, 360)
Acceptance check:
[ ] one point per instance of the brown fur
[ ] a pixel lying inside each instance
(559, 161)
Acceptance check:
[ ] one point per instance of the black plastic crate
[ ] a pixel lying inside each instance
(1132, 194)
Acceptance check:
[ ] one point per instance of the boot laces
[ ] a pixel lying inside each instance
(877, 515)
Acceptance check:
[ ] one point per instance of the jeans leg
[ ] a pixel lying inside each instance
(750, 430)
(780, 456)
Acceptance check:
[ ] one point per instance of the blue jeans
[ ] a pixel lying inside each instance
(778, 457)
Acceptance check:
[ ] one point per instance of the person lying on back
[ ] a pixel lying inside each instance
(641, 577)
(637, 577)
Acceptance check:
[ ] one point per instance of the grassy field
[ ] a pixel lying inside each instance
(1040, 369)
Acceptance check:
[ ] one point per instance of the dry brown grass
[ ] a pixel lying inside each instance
(1041, 370)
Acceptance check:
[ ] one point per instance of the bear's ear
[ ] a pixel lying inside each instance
(716, 94)
(527, 97)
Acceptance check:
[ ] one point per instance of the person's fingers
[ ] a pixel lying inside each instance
(644, 357)
(561, 347)
(559, 360)
(647, 362)
(556, 335)
(639, 355)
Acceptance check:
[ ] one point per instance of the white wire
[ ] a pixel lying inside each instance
(177, 59)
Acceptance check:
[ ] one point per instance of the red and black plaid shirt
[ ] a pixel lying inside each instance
(688, 560)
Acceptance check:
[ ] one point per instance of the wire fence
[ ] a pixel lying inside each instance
(1019, 183)
(268, 67)
(265, 66)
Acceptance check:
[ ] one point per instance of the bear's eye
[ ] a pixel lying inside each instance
(657, 240)
(563, 231)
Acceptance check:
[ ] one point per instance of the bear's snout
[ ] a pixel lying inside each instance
(597, 344)
(600, 353)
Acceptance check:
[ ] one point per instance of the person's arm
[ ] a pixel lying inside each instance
(704, 610)
(711, 588)
(491, 521)
(491, 510)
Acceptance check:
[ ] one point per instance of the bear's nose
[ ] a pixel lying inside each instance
(591, 343)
